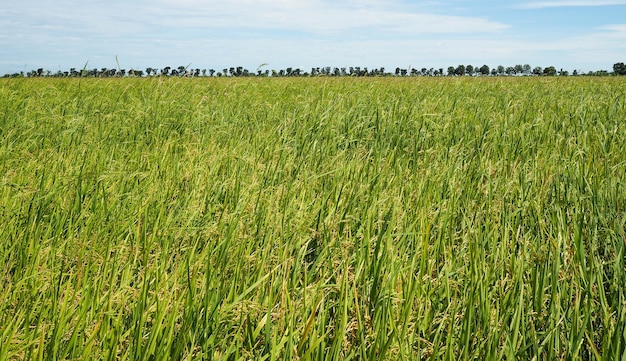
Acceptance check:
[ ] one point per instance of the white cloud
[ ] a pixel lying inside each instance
(608, 42)
(618, 30)
(596, 50)
(571, 3)
(317, 17)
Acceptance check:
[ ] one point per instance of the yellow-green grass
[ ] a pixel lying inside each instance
(319, 218)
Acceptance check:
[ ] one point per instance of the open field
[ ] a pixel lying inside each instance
(148, 219)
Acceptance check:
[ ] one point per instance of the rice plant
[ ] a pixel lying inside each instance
(317, 218)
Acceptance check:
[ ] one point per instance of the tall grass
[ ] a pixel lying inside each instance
(312, 219)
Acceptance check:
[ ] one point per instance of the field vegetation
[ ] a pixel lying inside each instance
(313, 218)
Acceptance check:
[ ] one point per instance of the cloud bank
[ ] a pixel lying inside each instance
(209, 33)
(572, 3)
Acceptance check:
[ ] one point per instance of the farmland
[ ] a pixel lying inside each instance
(312, 218)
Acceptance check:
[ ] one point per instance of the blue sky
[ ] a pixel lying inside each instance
(60, 34)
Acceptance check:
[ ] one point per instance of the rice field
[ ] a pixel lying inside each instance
(311, 219)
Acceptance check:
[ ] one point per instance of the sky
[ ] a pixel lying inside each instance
(584, 35)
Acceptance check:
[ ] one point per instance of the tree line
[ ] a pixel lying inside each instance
(182, 71)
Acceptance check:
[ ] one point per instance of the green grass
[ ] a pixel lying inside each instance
(364, 219)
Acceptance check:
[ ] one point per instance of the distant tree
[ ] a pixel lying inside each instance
(460, 70)
(510, 70)
(619, 69)
(133, 72)
(550, 71)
